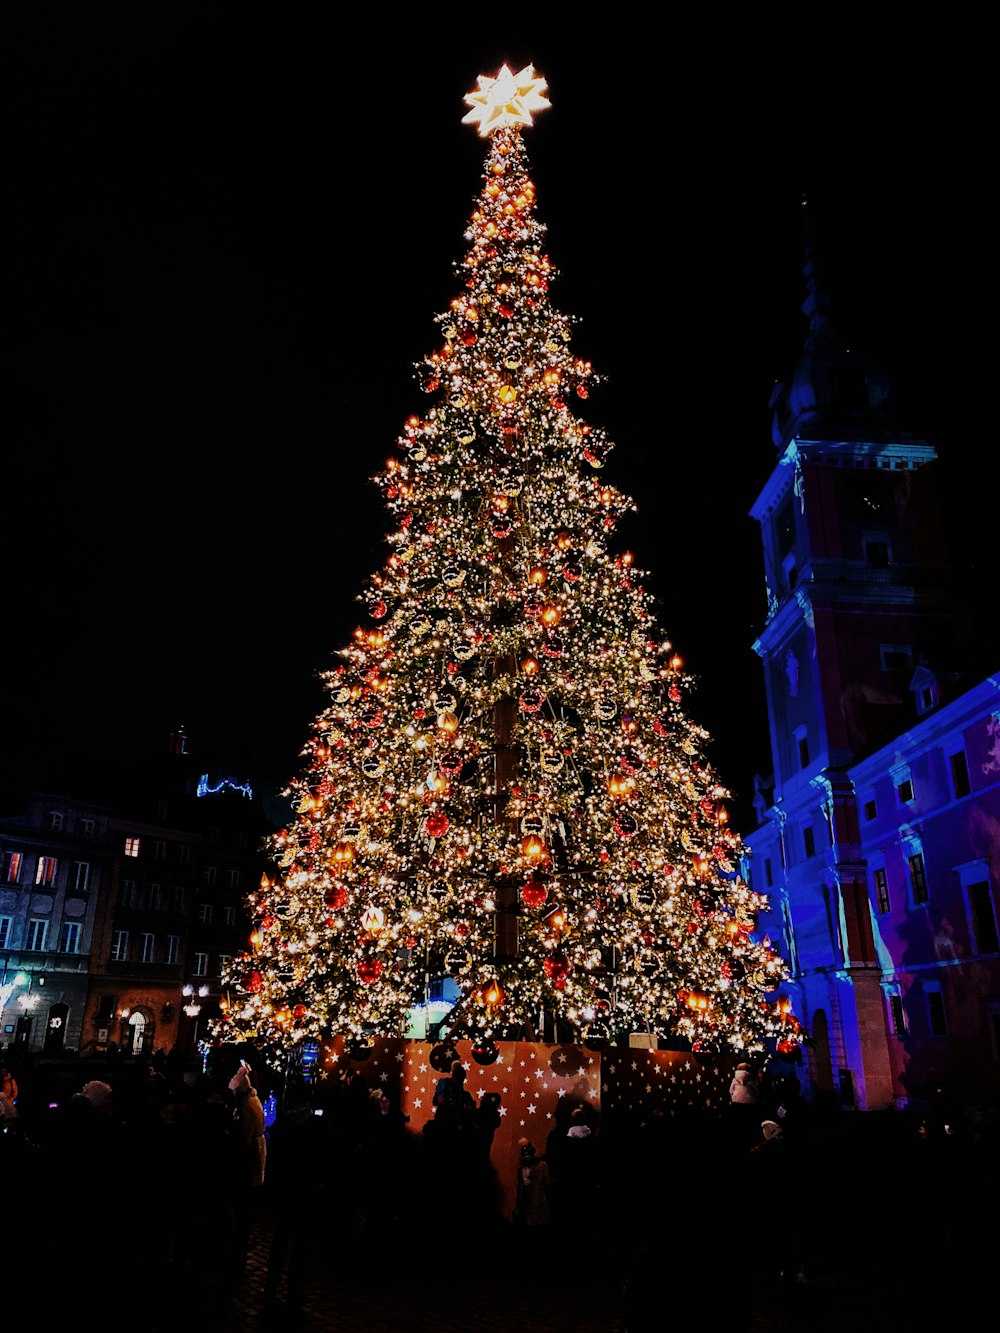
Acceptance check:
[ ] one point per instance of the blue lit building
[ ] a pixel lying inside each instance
(878, 837)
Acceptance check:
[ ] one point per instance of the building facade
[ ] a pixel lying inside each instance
(116, 920)
(878, 844)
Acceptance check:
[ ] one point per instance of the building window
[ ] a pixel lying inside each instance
(212, 834)
(173, 948)
(983, 916)
(242, 840)
(224, 960)
(959, 774)
(205, 913)
(79, 877)
(119, 946)
(181, 899)
(877, 554)
(897, 1017)
(871, 810)
(881, 890)
(154, 896)
(45, 871)
(896, 657)
(70, 939)
(936, 1023)
(159, 850)
(106, 1008)
(10, 867)
(918, 879)
(233, 878)
(927, 698)
(38, 934)
(56, 821)
(5, 924)
(768, 872)
(229, 916)
(127, 893)
(161, 810)
(147, 947)
(802, 746)
(209, 875)
(184, 853)
(904, 792)
(131, 846)
(808, 840)
(201, 964)
(87, 827)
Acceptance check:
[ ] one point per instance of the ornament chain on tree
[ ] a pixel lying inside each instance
(505, 796)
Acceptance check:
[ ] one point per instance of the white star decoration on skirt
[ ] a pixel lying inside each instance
(508, 99)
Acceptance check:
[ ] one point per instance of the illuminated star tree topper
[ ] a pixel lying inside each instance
(506, 100)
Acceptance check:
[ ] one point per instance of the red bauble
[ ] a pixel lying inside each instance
(299, 1011)
(254, 982)
(369, 970)
(533, 891)
(436, 824)
(378, 610)
(335, 897)
(557, 967)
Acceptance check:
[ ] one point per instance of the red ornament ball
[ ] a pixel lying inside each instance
(534, 892)
(557, 967)
(369, 970)
(436, 824)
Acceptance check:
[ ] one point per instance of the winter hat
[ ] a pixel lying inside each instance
(770, 1128)
(96, 1092)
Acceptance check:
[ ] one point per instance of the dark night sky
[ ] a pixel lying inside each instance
(232, 230)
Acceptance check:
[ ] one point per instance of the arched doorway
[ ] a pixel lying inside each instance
(139, 1032)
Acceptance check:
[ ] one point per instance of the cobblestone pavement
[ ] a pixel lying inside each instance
(376, 1292)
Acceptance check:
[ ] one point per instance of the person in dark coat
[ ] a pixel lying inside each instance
(297, 1193)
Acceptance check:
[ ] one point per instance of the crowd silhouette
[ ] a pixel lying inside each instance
(183, 1165)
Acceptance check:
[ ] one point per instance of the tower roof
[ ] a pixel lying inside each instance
(834, 392)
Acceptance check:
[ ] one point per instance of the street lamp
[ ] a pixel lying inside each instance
(192, 1006)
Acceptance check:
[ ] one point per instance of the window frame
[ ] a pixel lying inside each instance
(36, 936)
(880, 885)
(46, 871)
(935, 1010)
(920, 893)
(70, 936)
(964, 778)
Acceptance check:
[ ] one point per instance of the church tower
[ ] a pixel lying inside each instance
(864, 636)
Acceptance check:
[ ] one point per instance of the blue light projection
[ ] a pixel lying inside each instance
(226, 784)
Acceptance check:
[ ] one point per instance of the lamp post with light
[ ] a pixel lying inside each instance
(192, 1008)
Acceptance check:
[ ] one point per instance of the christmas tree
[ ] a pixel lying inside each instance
(505, 797)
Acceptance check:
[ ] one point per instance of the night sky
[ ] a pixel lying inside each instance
(229, 235)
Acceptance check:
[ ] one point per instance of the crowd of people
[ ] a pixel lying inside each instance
(196, 1162)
